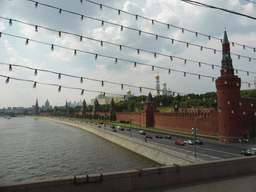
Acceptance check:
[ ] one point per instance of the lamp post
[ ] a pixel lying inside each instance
(104, 122)
(130, 127)
(194, 130)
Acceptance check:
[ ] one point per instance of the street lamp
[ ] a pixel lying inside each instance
(104, 122)
(130, 127)
(194, 130)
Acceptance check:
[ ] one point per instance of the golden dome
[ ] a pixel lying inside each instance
(157, 76)
(164, 83)
(115, 97)
(128, 91)
(154, 93)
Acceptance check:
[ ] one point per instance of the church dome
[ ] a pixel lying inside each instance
(128, 91)
(164, 83)
(157, 76)
(154, 93)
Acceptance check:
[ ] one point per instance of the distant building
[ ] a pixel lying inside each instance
(158, 91)
(102, 99)
(47, 105)
(36, 108)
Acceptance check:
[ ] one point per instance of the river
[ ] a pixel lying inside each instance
(34, 149)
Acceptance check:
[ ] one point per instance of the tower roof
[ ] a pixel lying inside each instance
(225, 39)
(149, 98)
(226, 58)
(157, 76)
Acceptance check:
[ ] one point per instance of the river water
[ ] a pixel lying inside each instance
(33, 149)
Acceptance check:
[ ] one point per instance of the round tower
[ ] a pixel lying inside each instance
(228, 94)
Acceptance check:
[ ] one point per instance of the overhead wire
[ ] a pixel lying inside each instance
(8, 78)
(109, 57)
(218, 8)
(163, 23)
(140, 31)
(11, 65)
(114, 44)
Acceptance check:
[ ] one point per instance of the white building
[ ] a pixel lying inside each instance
(159, 91)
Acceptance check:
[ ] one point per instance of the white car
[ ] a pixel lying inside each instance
(118, 127)
(189, 142)
(142, 132)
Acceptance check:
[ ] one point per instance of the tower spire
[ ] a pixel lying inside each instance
(226, 62)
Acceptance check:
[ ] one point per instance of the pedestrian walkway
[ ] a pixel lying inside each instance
(238, 183)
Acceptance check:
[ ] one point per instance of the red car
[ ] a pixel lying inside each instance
(178, 142)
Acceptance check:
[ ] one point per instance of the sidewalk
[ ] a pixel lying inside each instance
(238, 183)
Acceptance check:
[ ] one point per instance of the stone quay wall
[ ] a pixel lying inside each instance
(141, 179)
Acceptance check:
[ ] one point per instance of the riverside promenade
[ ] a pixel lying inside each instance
(237, 183)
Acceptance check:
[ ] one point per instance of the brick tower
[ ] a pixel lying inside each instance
(84, 108)
(228, 93)
(96, 107)
(112, 106)
(148, 112)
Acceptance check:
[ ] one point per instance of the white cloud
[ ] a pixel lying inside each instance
(2, 26)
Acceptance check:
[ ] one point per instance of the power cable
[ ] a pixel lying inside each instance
(218, 8)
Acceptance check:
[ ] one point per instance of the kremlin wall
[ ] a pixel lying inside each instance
(233, 116)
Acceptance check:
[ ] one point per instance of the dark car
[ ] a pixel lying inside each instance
(159, 136)
(149, 136)
(197, 141)
(114, 130)
(142, 132)
(128, 129)
(99, 126)
(167, 137)
(112, 126)
(249, 152)
(179, 142)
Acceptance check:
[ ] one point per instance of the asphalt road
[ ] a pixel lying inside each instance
(210, 150)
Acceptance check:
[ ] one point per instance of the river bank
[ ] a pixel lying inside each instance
(155, 152)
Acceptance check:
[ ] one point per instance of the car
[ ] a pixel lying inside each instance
(96, 124)
(128, 129)
(121, 128)
(249, 152)
(104, 125)
(167, 137)
(114, 130)
(179, 142)
(149, 136)
(189, 142)
(118, 127)
(100, 122)
(159, 136)
(142, 132)
(99, 126)
(197, 141)
(112, 126)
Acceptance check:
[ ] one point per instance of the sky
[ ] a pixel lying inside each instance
(13, 50)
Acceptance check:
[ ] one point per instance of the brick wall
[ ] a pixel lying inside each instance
(184, 123)
(136, 117)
